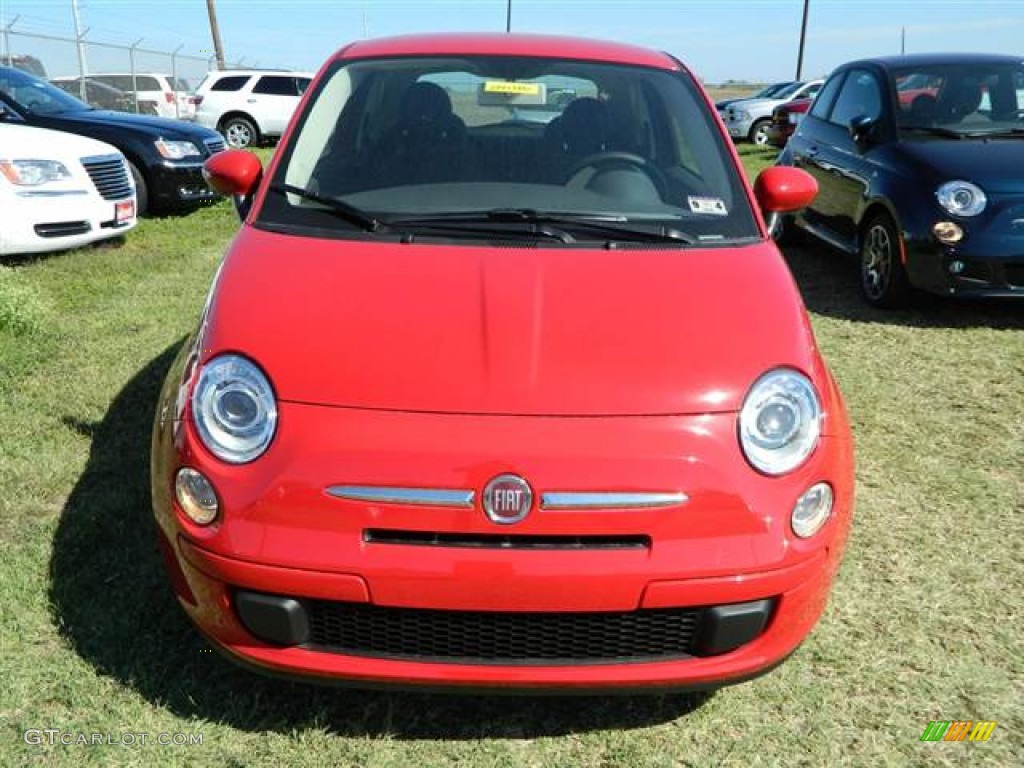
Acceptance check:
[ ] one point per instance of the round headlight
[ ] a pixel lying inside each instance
(812, 510)
(196, 496)
(961, 198)
(234, 410)
(780, 421)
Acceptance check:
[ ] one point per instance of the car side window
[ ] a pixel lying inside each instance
(860, 96)
(233, 83)
(823, 104)
(275, 85)
(302, 83)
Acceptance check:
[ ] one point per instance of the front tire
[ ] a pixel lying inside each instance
(759, 132)
(141, 191)
(240, 133)
(883, 278)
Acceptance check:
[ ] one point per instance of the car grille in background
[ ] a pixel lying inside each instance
(110, 175)
(504, 541)
(214, 145)
(62, 228)
(499, 638)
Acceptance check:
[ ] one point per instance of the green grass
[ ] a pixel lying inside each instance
(925, 620)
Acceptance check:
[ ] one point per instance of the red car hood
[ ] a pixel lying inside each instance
(486, 330)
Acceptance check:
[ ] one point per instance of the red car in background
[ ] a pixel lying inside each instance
(497, 388)
(785, 119)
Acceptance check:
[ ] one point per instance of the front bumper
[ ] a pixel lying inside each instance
(180, 185)
(284, 537)
(39, 224)
(739, 128)
(974, 269)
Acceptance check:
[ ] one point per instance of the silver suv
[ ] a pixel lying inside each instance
(750, 118)
(248, 106)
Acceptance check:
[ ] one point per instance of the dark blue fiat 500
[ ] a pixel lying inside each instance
(920, 165)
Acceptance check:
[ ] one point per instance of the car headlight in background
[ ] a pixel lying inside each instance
(176, 150)
(741, 114)
(961, 198)
(234, 409)
(32, 173)
(780, 421)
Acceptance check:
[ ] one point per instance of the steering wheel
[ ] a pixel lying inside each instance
(610, 161)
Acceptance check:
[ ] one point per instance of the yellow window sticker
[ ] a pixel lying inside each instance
(504, 86)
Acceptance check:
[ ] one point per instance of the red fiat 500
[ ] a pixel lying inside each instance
(502, 383)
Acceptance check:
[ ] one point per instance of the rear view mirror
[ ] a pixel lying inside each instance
(862, 128)
(235, 172)
(782, 189)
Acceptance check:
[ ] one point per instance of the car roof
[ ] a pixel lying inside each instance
(495, 44)
(932, 59)
(222, 72)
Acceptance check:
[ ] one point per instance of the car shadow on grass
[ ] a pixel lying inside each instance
(828, 283)
(112, 602)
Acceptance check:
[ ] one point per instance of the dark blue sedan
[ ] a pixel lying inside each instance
(920, 165)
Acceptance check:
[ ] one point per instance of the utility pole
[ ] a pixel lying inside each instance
(803, 37)
(508, 16)
(218, 49)
(903, 40)
(82, 69)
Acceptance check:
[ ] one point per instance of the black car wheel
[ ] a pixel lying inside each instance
(141, 192)
(240, 133)
(759, 132)
(883, 279)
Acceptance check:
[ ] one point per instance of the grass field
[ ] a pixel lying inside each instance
(926, 620)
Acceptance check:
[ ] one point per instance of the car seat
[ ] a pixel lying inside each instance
(425, 143)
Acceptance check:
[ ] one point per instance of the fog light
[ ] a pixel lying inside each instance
(948, 232)
(956, 267)
(812, 510)
(196, 496)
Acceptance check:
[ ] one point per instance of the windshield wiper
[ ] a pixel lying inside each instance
(610, 224)
(935, 130)
(998, 132)
(340, 208)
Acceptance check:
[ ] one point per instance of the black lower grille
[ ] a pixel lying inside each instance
(110, 175)
(62, 228)
(1015, 274)
(499, 638)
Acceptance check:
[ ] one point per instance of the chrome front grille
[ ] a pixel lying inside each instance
(214, 146)
(110, 175)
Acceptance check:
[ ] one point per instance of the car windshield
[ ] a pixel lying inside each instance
(788, 91)
(569, 150)
(36, 96)
(956, 99)
(773, 90)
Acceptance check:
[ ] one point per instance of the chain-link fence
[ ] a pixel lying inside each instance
(127, 78)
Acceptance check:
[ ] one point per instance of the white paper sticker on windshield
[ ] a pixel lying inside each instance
(710, 205)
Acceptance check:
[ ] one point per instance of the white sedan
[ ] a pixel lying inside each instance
(59, 190)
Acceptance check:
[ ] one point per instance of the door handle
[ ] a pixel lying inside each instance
(250, 101)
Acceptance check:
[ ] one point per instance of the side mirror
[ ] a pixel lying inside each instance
(782, 189)
(862, 129)
(235, 172)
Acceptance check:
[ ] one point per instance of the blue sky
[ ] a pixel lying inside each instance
(722, 39)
